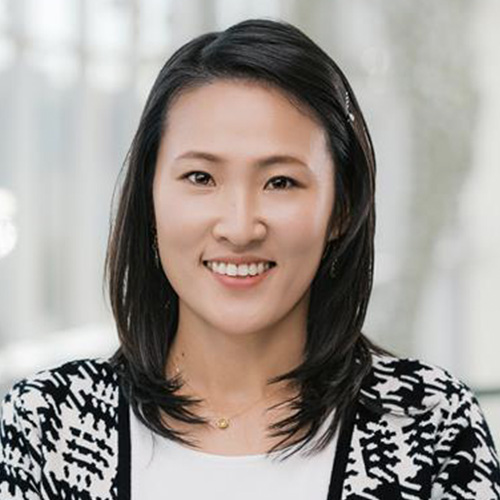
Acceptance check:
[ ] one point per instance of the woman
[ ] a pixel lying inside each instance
(240, 267)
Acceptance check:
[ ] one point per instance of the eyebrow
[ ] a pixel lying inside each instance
(262, 162)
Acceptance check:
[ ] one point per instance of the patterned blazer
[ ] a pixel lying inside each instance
(64, 434)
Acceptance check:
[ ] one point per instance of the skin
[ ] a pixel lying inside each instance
(229, 342)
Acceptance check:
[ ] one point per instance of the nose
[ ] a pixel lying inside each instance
(240, 221)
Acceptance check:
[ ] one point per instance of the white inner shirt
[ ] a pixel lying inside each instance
(181, 473)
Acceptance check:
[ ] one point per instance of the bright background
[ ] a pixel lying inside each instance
(74, 76)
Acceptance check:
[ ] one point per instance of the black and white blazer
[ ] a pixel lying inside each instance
(65, 434)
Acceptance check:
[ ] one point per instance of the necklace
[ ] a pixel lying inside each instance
(221, 422)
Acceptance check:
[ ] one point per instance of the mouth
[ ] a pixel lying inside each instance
(271, 265)
(241, 281)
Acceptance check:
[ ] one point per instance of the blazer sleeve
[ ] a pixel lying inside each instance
(20, 457)
(469, 466)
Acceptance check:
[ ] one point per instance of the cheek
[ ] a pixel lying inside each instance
(302, 230)
(179, 224)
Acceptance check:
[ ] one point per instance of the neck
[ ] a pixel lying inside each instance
(231, 371)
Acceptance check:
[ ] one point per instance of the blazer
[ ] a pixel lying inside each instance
(64, 434)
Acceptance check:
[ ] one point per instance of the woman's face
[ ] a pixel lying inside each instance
(236, 206)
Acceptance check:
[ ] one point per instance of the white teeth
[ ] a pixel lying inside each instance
(241, 270)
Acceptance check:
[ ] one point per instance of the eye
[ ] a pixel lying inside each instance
(292, 182)
(189, 174)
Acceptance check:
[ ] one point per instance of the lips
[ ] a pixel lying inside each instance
(241, 282)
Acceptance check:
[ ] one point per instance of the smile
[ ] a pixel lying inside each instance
(242, 282)
(240, 271)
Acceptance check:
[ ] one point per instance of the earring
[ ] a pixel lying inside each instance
(333, 267)
(155, 248)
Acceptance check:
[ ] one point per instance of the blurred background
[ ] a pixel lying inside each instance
(75, 74)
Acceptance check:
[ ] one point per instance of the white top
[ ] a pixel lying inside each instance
(176, 471)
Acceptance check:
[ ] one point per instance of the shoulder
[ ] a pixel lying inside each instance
(61, 423)
(79, 384)
(409, 394)
(419, 426)
(410, 386)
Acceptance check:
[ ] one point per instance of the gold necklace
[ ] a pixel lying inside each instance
(220, 422)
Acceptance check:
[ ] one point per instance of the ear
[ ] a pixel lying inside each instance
(334, 234)
(339, 228)
(337, 231)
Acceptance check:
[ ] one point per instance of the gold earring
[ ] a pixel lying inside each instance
(333, 267)
(156, 251)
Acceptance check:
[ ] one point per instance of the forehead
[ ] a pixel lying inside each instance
(241, 115)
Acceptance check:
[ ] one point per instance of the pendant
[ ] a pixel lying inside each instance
(222, 423)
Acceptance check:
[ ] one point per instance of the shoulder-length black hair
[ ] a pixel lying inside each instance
(337, 355)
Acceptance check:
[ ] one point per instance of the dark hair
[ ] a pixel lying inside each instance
(338, 356)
